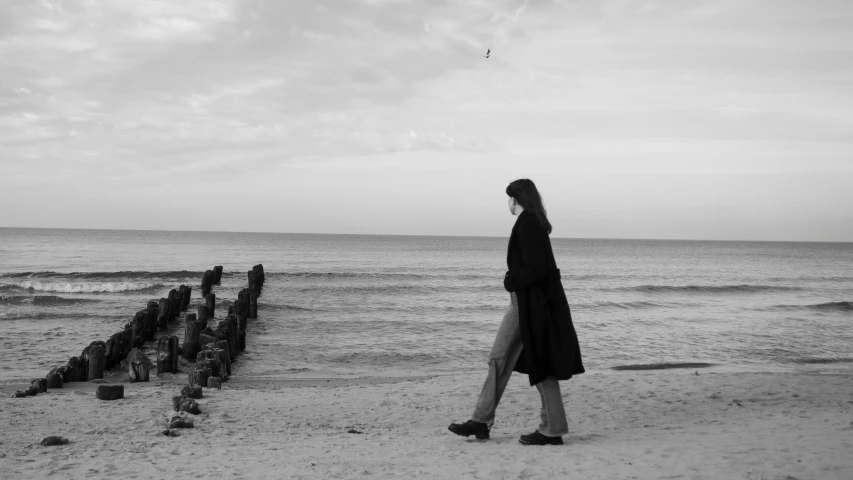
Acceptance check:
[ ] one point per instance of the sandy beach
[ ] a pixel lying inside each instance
(624, 425)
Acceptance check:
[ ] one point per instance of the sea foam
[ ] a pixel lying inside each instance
(85, 287)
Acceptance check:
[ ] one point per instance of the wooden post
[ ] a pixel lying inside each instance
(54, 380)
(174, 304)
(206, 282)
(217, 274)
(84, 364)
(138, 326)
(192, 391)
(164, 356)
(138, 371)
(221, 357)
(40, 385)
(214, 382)
(109, 392)
(222, 345)
(202, 315)
(96, 361)
(185, 298)
(163, 315)
(153, 311)
(110, 348)
(200, 374)
(75, 370)
(191, 336)
(116, 349)
(174, 343)
(253, 304)
(210, 300)
(63, 371)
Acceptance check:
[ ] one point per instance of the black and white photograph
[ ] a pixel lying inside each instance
(426, 239)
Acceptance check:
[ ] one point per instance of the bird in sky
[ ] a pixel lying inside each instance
(488, 52)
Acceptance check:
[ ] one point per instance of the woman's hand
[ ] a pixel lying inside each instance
(508, 283)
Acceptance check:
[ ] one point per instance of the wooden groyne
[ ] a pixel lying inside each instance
(214, 348)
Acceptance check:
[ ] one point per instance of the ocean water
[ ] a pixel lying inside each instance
(356, 305)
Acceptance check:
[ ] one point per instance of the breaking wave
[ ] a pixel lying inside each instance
(709, 288)
(85, 287)
(42, 300)
(124, 275)
(823, 307)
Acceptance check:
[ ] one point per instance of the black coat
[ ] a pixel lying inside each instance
(549, 338)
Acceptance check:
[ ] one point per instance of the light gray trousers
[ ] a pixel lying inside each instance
(505, 352)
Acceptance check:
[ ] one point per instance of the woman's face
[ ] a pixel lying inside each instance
(511, 204)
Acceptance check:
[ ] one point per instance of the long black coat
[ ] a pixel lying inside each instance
(549, 338)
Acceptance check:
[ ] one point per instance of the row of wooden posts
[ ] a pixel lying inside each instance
(215, 349)
(103, 355)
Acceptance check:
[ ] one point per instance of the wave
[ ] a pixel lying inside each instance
(709, 288)
(661, 366)
(819, 361)
(824, 307)
(378, 275)
(129, 275)
(279, 307)
(42, 300)
(48, 315)
(86, 287)
(627, 305)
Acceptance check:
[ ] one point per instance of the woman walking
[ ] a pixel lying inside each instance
(536, 335)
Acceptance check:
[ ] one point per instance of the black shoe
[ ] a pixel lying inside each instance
(537, 438)
(478, 429)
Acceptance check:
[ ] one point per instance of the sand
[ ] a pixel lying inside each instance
(624, 425)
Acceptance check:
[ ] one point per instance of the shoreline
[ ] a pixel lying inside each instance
(671, 423)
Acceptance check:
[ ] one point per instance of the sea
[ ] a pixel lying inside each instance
(378, 305)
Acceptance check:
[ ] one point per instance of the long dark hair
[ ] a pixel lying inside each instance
(525, 194)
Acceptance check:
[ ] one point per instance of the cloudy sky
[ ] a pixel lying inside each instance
(705, 119)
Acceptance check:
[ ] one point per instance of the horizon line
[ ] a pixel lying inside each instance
(422, 235)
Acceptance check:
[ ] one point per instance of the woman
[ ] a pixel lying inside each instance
(536, 335)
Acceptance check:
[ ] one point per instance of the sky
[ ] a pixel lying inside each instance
(700, 119)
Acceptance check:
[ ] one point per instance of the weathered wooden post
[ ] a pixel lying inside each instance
(138, 325)
(75, 370)
(174, 344)
(138, 371)
(210, 301)
(84, 363)
(63, 371)
(164, 356)
(163, 314)
(200, 373)
(214, 382)
(191, 336)
(185, 297)
(40, 385)
(259, 268)
(174, 304)
(109, 392)
(222, 345)
(202, 316)
(206, 282)
(217, 274)
(54, 380)
(96, 360)
(109, 347)
(116, 349)
(153, 312)
(253, 304)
